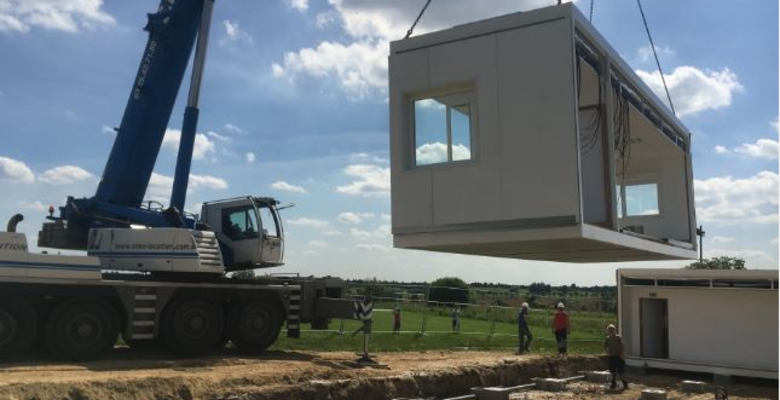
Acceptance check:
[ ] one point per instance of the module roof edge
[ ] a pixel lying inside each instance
(698, 273)
(594, 36)
(483, 27)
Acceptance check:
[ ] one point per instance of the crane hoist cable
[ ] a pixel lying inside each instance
(590, 15)
(655, 54)
(425, 7)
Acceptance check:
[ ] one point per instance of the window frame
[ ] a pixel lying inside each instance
(622, 206)
(245, 209)
(462, 96)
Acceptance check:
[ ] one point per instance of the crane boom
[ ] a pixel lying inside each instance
(119, 197)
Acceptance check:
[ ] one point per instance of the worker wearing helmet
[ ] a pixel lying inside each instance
(560, 327)
(523, 330)
(616, 351)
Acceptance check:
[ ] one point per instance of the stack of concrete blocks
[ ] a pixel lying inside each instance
(491, 153)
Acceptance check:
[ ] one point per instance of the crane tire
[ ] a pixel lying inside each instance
(192, 326)
(18, 327)
(81, 329)
(254, 325)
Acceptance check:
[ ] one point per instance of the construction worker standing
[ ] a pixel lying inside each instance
(523, 330)
(616, 351)
(397, 320)
(560, 328)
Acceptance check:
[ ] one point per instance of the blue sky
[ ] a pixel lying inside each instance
(294, 106)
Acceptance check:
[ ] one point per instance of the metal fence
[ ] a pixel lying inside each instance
(588, 316)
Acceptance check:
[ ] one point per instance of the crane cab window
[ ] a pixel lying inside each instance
(269, 221)
(240, 223)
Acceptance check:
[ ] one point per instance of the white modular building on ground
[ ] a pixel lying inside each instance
(527, 136)
(714, 321)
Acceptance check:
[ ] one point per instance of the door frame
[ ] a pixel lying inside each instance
(665, 334)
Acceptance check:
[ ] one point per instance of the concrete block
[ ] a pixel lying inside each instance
(693, 387)
(551, 384)
(653, 394)
(597, 376)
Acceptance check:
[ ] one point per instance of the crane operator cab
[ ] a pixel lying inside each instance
(249, 231)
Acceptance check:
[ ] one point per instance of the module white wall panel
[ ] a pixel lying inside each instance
(537, 119)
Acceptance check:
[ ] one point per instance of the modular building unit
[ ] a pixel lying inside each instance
(715, 321)
(527, 136)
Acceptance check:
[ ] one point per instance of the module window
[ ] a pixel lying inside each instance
(443, 129)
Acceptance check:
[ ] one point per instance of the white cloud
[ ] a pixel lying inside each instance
(357, 158)
(61, 15)
(234, 34)
(372, 247)
(775, 124)
(65, 175)
(728, 200)
(326, 19)
(371, 181)
(762, 148)
(300, 5)
(645, 53)
(354, 218)
(207, 182)
(382, 232)
(33, 205)
(332, 232)
(203, 145)
(287, 187)
(721, 150)
(234, 129)
(430, 153)
(359, 66)
(386, 217)
(308, 222)
(107, 130)
(15, 171)
(217, 136)
(250, 157)
(723, 239)
(693, 90)
(160, 186)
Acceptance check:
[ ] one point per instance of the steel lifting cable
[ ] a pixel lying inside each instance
(425, 7)
(590, 16)
(655, 54)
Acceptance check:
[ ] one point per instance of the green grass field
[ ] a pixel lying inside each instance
(587, 332)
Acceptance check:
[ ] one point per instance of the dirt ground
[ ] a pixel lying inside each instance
(144, 375)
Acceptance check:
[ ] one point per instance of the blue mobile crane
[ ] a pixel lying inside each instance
(155, 273)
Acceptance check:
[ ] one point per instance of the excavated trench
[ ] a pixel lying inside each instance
(311, 377)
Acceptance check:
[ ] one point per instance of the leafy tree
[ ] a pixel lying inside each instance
(449, 290)
(719, 263)
(374, 288)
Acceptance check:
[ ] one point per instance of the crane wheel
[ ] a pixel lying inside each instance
(82, 329)
(18, 327)
(192, 326)
(254, 325)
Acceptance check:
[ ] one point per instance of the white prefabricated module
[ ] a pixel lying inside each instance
(714, 321)
(527, 136)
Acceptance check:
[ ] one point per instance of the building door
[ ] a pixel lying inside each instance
(654, 328)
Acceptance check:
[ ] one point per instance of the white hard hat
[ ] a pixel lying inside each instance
(560, 305)
(525, 305)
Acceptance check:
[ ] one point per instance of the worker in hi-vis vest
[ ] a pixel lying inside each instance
(560, 327)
